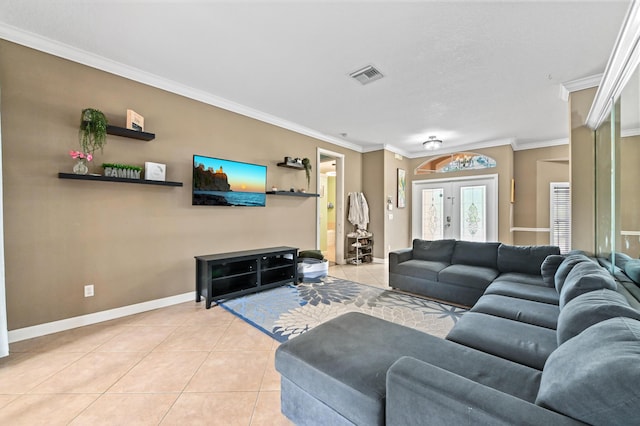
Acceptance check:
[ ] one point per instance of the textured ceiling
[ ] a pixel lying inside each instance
(471, 73)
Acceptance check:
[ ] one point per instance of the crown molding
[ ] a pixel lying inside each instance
(46, 45)
(372, 148)
(515, 145)
(462, 148)
(397, 150)
(521, 146)
(386, 147)
(625, 133)
(622, 64)
(579, 84)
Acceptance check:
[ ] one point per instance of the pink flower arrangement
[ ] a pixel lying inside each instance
(80, 155)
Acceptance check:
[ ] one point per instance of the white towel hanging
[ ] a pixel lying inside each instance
(358, 210)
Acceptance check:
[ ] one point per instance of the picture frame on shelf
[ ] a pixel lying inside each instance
(155, 171)
(135, 121)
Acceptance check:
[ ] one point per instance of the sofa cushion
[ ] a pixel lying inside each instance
(526, 259)
(476, 254)
(344, 361)
(621, 260)
(468, 276)
(549, 268)
(591, 308)
(519, 277)
(565, 267)
(594, 377)
(583, 278)
(516, 341)
(527, 311)
(632, 270)
(537, 293)
(435, 251)
(424, 269)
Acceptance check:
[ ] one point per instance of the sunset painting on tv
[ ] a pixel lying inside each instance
(218, 182)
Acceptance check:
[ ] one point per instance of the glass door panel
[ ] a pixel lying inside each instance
(432, 214)
(473, 208)
(463, 209)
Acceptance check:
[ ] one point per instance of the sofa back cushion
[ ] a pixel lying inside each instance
(525, 259)
(594, 377)
(549, 267)
(621, 259)
(436, 251)
(566, 266)
(583, 278)
(632, 270)
(591, 308)
(476, 254)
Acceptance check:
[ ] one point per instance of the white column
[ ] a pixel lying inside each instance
(4, 334)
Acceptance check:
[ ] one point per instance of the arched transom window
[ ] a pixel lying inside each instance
(456, 162)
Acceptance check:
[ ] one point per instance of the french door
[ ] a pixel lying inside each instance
(463, 209)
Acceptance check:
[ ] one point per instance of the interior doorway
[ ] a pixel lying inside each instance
(330, 207)
(462, 209)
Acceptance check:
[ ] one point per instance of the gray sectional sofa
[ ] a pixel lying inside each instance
(460, 271)
(564, 350)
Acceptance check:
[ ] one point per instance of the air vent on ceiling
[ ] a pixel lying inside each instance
(367, 74)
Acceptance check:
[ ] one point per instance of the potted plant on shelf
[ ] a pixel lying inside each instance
(307, 170)
(92, 137)
(93, 130)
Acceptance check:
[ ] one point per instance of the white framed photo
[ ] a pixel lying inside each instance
(155, 171)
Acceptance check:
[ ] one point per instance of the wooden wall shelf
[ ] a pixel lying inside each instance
(128, 133)
(289, 166)
(116, 179)
(293, 194)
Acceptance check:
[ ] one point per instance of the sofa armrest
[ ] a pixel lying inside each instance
(399, 256)
(418, 392)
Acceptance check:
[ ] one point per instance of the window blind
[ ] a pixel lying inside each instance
(560, 215)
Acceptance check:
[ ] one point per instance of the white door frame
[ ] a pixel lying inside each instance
(492, 220)
(4, 334)
(339, 202)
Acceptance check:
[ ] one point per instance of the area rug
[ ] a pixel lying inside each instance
(286, 312)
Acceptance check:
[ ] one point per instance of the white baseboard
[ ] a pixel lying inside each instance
(379, 260)
(74, 322)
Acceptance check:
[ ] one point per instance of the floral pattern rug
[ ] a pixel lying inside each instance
(288, 311)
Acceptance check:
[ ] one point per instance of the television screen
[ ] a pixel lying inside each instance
(218, 182)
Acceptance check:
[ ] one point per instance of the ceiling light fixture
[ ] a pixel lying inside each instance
(432, 143)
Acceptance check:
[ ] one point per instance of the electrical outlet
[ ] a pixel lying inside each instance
(88, 290)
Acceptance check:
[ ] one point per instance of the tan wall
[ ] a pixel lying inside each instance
(373, 183)
(379, 181)
(331, 198)
(397, 228)
(133, 242)
(504, 161)
(534, 170)
(582, 172)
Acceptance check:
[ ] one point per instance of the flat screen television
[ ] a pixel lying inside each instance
(218, 182)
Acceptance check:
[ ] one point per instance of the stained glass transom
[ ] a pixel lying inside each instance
(455, 163)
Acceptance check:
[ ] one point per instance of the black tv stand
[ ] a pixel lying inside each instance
(227, 275)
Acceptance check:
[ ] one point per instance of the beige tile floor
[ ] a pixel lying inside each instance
(181, 365)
